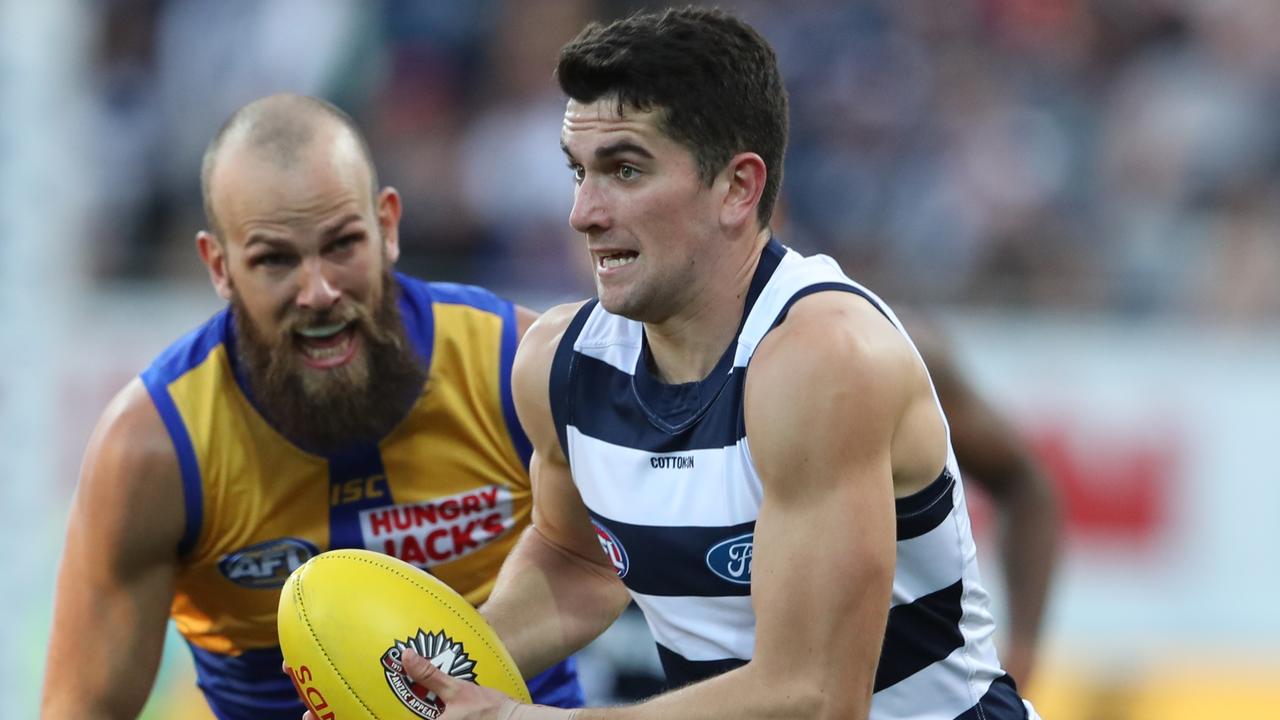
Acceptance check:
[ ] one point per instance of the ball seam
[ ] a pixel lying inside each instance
(430, 591)
(302, 611)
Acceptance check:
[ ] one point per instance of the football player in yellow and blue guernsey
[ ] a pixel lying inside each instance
(333, 403)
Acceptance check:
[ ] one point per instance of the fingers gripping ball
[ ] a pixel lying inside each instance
(346, 617)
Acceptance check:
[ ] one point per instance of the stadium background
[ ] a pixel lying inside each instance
(1085, 194)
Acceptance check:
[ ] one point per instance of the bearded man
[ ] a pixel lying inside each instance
(332, 404)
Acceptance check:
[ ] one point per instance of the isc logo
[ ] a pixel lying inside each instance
(356, 489)
(267, 564)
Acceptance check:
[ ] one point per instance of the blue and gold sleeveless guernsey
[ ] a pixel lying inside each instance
(447, 490)
(667, 475)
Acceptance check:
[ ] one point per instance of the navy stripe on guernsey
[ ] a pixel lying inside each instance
(563, 367)
(828, 287)
(926, 509)
(688, 416)
(1001, 702)
(626, 424)
(919, 634)
(680, 671)
(682, 571)
(667, 475)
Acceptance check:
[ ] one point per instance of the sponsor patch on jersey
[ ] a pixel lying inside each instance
(731, 559)
(671, 462)
(441, 651)
(440, 530)
(266, 565)
(613, 549)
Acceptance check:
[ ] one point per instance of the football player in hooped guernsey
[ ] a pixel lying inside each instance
(750, 433)
(333, 404)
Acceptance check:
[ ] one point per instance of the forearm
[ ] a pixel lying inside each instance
(116, 577)
(104, 651)
(69, 701)
(548, 603)
(748, 693)
(1029, 543)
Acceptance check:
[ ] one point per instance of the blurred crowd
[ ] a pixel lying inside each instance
(1088, 155)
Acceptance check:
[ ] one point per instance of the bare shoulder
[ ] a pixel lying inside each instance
(531, 374)
(131, 432)
(550, 326)
(130, 464)
(831, 386)
(538, 346)
(831, 333)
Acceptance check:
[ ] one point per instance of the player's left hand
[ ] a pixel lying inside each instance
(467, 701)
(462, 700)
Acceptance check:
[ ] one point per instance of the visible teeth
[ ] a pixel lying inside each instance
(324, 353)
(614, 261)
(322, 331)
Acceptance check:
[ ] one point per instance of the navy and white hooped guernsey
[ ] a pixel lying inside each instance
(667, 475)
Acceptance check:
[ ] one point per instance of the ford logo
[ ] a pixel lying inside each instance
(613, 549)
(266, 565)
(731, 559)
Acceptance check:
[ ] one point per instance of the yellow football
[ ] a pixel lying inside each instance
(346, 616)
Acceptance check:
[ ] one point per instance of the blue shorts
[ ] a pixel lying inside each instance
(558, 686)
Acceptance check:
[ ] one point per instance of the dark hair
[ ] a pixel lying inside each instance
(279, 127)
(714, 79)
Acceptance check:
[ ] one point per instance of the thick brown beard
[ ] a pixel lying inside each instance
(328, 411)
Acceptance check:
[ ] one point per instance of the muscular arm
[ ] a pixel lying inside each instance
(823, 564)
(115, 582)
(830, 447)
(991, 452)
(556, 591)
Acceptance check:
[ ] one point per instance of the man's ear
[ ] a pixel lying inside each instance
(744, 178)
(389, 222)
(214, 256)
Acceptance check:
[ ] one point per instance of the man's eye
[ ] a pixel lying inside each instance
(579, 172)
(272, 260)
(346, 242)
(626, 172)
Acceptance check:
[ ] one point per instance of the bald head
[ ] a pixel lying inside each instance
(280, 130)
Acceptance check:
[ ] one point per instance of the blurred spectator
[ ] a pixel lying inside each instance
(171, 71)
(514, 178)
(1074, 154)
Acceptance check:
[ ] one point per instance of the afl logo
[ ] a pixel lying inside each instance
(731, 559)
(268, 564)
(612, 549)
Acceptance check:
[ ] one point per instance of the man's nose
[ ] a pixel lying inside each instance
(589, 213)
(317, 291)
